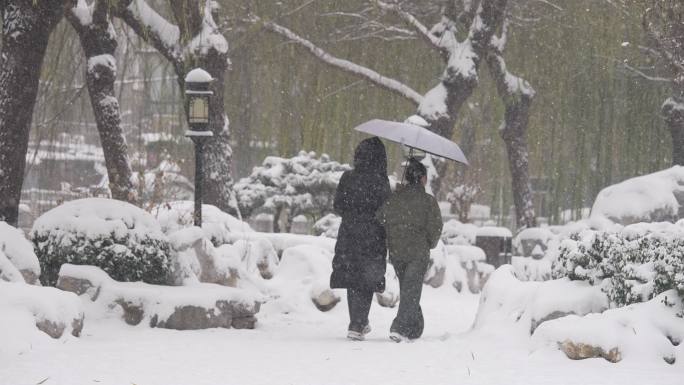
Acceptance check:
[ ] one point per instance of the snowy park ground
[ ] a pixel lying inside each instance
(309, 347)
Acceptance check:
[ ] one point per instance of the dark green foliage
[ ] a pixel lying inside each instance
(125, 257)
(631, 266)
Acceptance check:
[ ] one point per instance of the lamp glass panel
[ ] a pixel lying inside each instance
(199, 110)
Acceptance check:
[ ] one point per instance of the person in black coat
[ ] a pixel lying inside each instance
(359, 263)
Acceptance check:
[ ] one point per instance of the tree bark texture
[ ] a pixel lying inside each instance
(517, 96)
(99, 43)
(673, 112)
(26, 28)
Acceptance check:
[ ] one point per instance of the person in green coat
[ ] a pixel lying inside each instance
(413, 223)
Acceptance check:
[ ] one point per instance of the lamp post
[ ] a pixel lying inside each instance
(197, 94)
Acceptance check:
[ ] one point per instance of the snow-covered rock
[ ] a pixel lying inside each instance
(529, 269)
(327, 226)
(302, 277)
(533, 242)
(507, 301)
(17, 255)
(216, 224)
(124, 240)
(258, 255)
(389, 297)
(197, 306)
(654, 197)
(28, 311)
(283, 241)
(646, 331)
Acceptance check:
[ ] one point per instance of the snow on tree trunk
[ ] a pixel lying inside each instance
(195, 41)
(673, 112)
(517, 96)
(98, 39)
(26, 28)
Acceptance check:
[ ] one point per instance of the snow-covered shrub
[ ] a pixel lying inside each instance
(461, 198)
(303, 184)
(162, 183)
(457, 233)
(17, 255)
(216, 224)
(116, 236)
(633, 264)
(328, 226)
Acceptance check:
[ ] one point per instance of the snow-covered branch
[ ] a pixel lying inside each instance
(414, 23)
(389, 84)
(152, 27)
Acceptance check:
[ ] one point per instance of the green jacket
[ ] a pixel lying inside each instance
(413, 223)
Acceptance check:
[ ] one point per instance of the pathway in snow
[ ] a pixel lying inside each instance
(308, 347)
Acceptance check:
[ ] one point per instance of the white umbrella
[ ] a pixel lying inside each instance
(414, 136)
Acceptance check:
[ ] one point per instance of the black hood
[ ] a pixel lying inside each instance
(370, 157)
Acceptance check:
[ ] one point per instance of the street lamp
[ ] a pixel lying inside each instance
(197, 94)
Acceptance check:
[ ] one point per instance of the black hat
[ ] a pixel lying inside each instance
(415, 171)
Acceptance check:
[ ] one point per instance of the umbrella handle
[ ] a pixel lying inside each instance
(403, 175)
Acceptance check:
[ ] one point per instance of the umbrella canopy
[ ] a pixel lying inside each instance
(414, 136)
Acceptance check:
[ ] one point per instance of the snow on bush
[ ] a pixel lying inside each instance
(506, 300)
(17, 255)
(638, 332)
(116, 236)
(216, 224)
(283, 241)
(328, 226)
(303, 184)
(649, 198)
(632, 264)
(457, 233)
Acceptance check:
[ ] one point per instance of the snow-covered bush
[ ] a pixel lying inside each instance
(18, 262)
(216, 224)
(162, 183)
(633, 264)
(461, 198)
(116, 236)
(303, 184)
(457, 233)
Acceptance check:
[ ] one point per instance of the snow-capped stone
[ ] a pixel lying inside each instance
(198, 306)
(17, 251)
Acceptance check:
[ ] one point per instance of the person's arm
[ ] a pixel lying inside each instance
(341, 202)
(434, 223)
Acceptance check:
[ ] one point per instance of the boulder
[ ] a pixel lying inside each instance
(646, 330)
(17, 255)
(533, 242)
(51, 311)
(197, 306)
(195, 259)
(529, 304)
(581, 351)
(323, 297)
(390, 297)
(258, 254)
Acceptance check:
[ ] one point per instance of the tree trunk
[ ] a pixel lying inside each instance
(673, 112)
(517, 96)
(99, 44)
(26, 29)
(514, 135)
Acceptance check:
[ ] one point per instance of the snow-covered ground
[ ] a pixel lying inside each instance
(309, 347)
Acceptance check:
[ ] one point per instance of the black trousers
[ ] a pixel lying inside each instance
(359, 301)
(409, 321)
